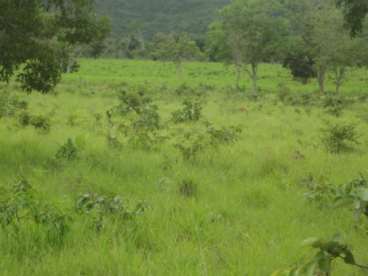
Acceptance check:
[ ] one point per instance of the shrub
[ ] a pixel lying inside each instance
(101, 208)
(132, 102)
(24, 119)
(68, 151)
(188, 188)
(40, 122)
(191, 144)
(340, 137)
(321, 263)
(300, 65)
(355, 195)
(334, 104)
(19, 207)
(224, 135)
(9, 104)
(191, 112)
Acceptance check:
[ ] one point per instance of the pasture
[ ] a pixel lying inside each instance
(131, 169)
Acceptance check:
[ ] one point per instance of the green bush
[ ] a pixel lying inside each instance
(340, 137)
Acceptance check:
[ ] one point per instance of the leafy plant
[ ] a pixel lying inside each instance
(321, 264)
(191, 111)
(41, 122)
(19, 207)
(340, 137)
(188, 188)
(9, 104)
(355, 195)
(191, 144)
(101, 208)
(68, 151)
(334, 104)
(319, 190)
(224, 135)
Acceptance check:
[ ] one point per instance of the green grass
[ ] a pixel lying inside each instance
(249, 215)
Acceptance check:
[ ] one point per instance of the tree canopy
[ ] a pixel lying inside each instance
(37, 38)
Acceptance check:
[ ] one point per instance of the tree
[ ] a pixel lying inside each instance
(175, 48)
(330, 44)
(355, 12)
(216, 46)
(254, 31)
(37, 38)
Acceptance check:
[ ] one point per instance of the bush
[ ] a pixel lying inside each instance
(24, 119)
(9, 104)
(41, 123)
(224, 135)
(301, 66)
(68, 151)
(191, 112)
(334, 104)
(340, 137)
(20, 207)
(188, 188)
(99, 209)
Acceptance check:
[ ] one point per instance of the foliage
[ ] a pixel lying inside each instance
(41, 122)
(37, 39)
(154, 16)
(176, 48)
(339, 137)
(334, 104)
(354, 194)
(191, 111)
(355, 12)
(224, 135)
(141, 120)
(328, 252)
(19, 207)
(253, 34)
(10, 104)
(188, 188)
(101, 208)
(68, 151)
(301, 65)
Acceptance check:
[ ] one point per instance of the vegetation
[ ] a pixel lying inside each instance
(171, 165)
(231, 189)
(37, 39)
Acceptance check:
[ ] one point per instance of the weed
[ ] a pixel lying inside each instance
(188, 188)
(328, 252)
(191, 111)
(340, 137)
(68, 151)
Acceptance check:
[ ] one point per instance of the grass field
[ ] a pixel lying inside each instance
(234, 207)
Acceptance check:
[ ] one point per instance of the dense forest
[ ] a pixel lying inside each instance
(150, 17)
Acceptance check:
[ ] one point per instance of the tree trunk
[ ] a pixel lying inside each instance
(254, 78)
(339, 78)
(321, 77)
(179, 69)
(238, 70)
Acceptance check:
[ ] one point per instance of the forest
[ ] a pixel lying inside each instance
(194, 137)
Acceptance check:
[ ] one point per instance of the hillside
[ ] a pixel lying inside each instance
(151, 16)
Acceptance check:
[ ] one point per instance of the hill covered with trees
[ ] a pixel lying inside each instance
(152, 16)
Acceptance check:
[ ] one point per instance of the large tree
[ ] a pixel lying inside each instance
(37, 38)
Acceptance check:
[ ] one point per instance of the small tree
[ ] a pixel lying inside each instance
(254, 33)
(176, 48)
